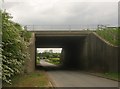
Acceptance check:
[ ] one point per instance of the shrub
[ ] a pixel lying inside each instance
(14, 46)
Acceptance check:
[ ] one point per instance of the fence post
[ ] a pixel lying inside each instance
(69, 28)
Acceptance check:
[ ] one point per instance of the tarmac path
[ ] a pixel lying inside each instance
(73, 78)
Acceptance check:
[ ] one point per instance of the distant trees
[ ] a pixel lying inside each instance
(49, 54)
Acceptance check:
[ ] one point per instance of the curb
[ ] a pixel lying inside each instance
(52, 84)
(102, 76)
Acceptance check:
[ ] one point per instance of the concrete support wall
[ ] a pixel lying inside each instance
(30, 63)
(62, 56)
(71, 56)
(99, 56)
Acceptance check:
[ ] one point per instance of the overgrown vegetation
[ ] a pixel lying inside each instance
(34, 79)
(15, 40)
(0, 46)
(110, 34)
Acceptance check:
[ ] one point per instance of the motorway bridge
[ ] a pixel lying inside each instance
(81, 49)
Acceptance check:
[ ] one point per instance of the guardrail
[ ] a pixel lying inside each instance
(59, 27)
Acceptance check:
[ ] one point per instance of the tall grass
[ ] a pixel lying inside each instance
(112, 35)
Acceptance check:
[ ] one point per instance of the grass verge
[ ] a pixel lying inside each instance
(34, 79)
(112, 75)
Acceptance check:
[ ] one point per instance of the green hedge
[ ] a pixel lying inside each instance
(54, 60)
(14, 45)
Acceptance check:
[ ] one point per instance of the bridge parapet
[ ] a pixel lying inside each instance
(59, 28)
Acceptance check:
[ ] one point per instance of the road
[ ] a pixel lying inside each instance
(67, 78)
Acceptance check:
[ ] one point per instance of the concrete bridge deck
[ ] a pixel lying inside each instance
(62, 33)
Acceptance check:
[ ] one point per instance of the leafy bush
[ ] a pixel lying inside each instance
(54, 60)
(14, 46)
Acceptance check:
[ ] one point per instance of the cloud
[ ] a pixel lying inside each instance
(94, 13)
(57, 12)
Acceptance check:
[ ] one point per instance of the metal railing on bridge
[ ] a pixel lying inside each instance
(60, 27)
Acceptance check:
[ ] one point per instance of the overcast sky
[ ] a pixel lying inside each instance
(63, 12)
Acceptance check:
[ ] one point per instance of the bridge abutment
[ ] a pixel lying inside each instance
(30, 63)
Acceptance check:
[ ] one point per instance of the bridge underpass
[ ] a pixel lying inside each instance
(80, 50)
(71, 43)
(83, 50)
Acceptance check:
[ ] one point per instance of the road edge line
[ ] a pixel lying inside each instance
(53, 85)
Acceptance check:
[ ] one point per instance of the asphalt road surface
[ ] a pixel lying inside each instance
(71, 78)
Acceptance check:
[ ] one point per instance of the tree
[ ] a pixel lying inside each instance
(51, 51)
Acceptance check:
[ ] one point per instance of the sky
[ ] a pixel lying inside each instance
(63, 12)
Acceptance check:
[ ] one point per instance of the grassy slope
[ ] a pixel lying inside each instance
(110, 35)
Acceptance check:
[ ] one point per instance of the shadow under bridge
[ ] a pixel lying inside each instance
(72, 44)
